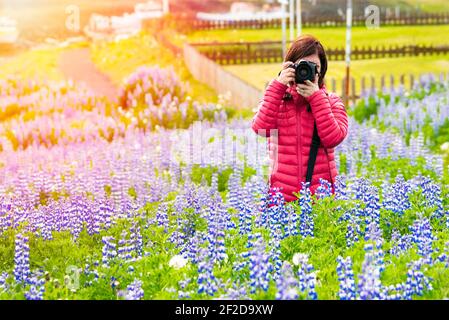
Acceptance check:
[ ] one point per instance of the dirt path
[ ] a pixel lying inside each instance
(77, 65)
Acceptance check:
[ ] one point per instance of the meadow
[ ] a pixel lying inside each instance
(260, 74)
(163, 193)
(118, 60)
(122, 210)
(334, 37)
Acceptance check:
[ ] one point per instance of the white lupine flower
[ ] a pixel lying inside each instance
(445, 146)
(299, 258)
(178, 262)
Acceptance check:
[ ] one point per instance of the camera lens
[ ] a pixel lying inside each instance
(303, 72)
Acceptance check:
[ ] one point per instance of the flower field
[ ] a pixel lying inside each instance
(165, 197)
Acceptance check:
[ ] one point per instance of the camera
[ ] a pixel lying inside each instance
(305, 70)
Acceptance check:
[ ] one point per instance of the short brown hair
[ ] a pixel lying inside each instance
(306, 45)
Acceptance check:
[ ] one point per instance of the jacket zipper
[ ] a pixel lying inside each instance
(328, 161)
(298, 124)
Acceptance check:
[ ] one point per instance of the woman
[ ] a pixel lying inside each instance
(293, 110)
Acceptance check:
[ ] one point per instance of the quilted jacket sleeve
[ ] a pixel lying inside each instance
(266, 116)
(330, 116)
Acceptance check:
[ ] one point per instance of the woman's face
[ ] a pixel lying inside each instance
(312, 58)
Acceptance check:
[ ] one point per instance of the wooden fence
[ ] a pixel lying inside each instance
(323, 21)
(243, 94)
(367, 85)
(229, 53)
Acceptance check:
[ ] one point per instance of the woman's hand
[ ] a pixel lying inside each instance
(287, 74)
(308, 88)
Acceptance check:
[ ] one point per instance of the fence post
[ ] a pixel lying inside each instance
(402, 78)
(362, 85)
(354, 95)
(334, 85)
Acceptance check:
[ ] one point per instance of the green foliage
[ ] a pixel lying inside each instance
(61, 256)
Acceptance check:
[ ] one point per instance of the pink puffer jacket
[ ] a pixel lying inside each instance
(294, 124)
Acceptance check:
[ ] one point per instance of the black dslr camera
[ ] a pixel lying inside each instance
(305, 70)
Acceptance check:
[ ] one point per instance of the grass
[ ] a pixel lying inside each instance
(260, 74)
(432, 6)
(333, 37)
(68, 276)
(38, 63)
(119, 59)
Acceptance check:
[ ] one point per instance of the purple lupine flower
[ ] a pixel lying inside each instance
(346, 279)
(216, 234)
(109, 250)
(262, 218)
(182, 293)
(207, 283)
(306, 224)
(444, 257)
(352, 233)
(394, 292)
(423, 237)
(136, 239)
(287, 284)
(324, 190)
(291, 223)
(125, 247)
(133, 291)
(245, 218)
(373, 232)
(259, 266)
(92, 275)
(306, 276)
(37, 289)
(235, 186)
(416, 282)
(177, 238)
(236, 292)
(372, 209)
(370, 286)
(340, 188)
(191, 249)
(432, 194)
(400, 243)
(162, 216)
(3, 284)
(21, 259)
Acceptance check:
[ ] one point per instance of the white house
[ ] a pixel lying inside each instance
(101, 27)
(9, 33)
(152, 9)
(240, 11)
(243, 7)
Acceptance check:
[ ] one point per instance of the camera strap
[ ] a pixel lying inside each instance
(313, 152)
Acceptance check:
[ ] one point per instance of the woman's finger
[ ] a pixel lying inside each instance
(287, 64)
(287, 72)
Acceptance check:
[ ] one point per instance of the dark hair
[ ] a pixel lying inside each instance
(306, 45)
